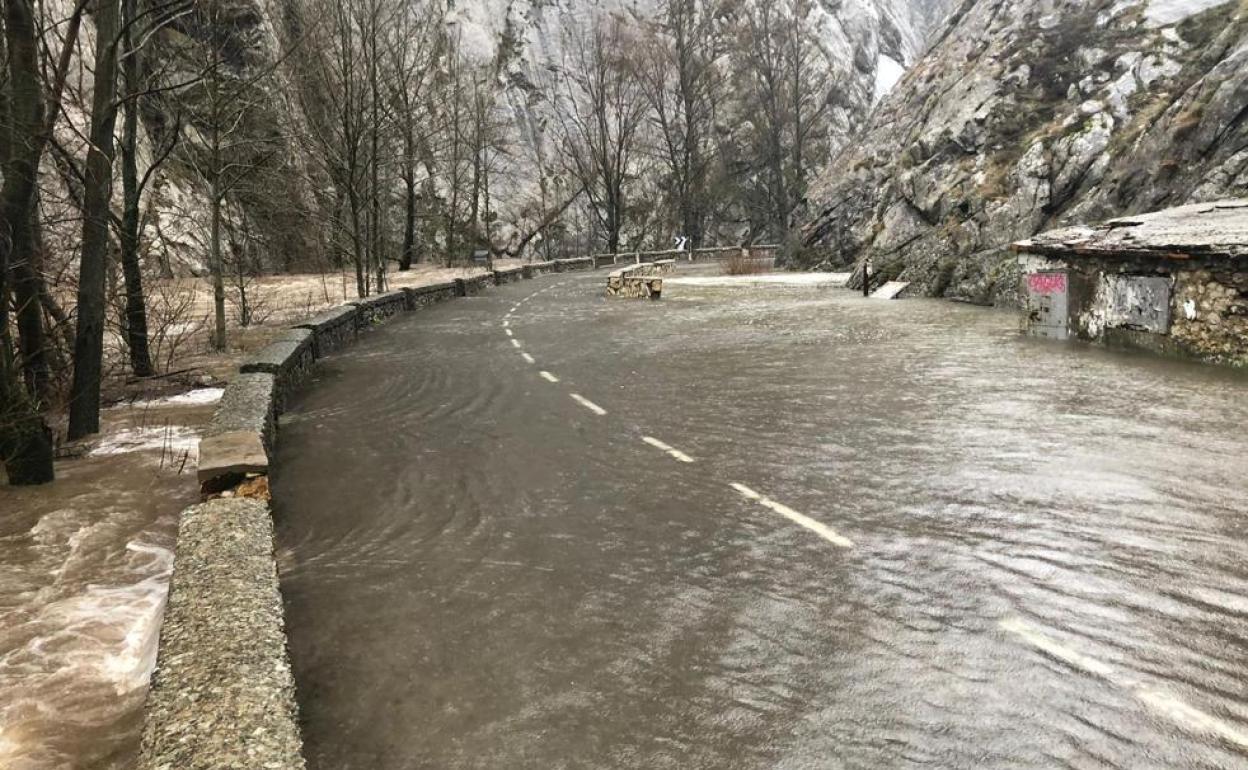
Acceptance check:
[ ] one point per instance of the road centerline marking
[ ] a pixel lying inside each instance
(508, 331)
(818, 527)
(528, 358)
(1175, 709)
(590, 405)
(548, 376)
(515, 343)
(671, 450)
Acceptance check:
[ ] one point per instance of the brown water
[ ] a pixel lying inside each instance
(1047, 566)
(84, 567)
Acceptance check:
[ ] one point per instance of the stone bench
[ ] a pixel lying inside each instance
(635, 282)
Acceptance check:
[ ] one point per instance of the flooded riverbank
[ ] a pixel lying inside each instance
(1044, 540)
(84, 567)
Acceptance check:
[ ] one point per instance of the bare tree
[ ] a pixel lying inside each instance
(679, 73)
(84, 395)
(25, 441)
(225, 106)
(779, 76)
(605, 108)
(135, 28)
(409, 46)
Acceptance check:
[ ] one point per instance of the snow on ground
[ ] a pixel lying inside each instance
(1161, 13)
(775, 279)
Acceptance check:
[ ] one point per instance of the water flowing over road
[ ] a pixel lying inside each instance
(785, 527)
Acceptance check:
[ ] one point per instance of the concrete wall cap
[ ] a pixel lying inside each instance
(275, 357)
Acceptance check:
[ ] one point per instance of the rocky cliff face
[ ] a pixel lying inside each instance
(1028, 115)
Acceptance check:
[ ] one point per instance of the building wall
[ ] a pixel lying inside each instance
(1187, 308)
(1211, 313)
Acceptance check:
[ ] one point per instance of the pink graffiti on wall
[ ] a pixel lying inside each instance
(1046, 283)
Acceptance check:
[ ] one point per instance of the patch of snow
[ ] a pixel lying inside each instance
(1162, 13)
(887, 72)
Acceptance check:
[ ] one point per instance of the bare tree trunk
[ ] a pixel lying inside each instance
(84, 400)
(217, 267)
(409, 221)
(136, 306)
(25, 441)
(27, 288)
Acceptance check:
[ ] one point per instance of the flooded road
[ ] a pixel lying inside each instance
(744, 528)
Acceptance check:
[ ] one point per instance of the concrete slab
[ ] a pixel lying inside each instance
(890, 290)
(226, 458)
(772, 279)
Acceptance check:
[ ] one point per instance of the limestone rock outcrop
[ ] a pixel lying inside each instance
(1025, 116)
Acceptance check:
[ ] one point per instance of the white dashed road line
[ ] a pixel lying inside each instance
(1169, 706)
(548, 376)
(671, 450)
(508, 332)
(590, 405)
(528, 358)
(515, 343)
(819, 528)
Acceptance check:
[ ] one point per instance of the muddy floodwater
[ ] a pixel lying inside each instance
(84, 569)
(761, 528)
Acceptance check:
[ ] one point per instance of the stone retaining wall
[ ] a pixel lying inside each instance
(429, 295)
(763, 251)
(222, 695)
(289, 358)
(576, 263)
(331, 329)
(510, 275)
(378, 308)
(534, 269)
(471, 287)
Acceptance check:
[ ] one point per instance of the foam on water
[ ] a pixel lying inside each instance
(196, 397)
(84, 570)
(174, 439)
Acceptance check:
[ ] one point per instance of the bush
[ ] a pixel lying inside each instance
(742, 263)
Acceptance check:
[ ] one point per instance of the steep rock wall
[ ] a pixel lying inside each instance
(1024, 116)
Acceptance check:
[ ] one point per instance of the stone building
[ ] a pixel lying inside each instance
(1173, 281)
